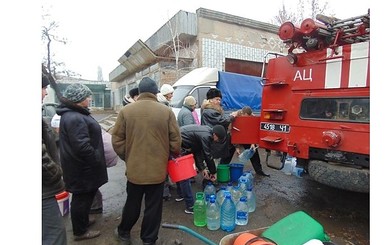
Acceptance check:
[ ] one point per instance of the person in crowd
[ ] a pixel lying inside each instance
(166, 93)
(212, 111)
(82, 156)
(164, 97)
(146, 133)
(213, 114)
(53, 226)
(131, 97)
(206, 144)
(185, 115)
(111, 160)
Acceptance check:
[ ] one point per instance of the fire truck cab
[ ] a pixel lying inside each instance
(316, 101)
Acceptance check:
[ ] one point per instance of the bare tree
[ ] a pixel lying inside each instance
(49, 36)
(305, 9)
(175, 43)
(284, 15)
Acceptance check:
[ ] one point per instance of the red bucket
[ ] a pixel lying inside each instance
(181, 168)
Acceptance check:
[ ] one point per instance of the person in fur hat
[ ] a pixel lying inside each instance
(131, 97)
(213, 114)
(212, 111)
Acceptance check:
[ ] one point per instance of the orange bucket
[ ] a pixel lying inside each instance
(181, 168)
(251, 239)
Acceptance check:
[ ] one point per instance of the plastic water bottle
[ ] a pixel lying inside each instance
(221, 195)
(288, 167)
(246, 155)
(227, 216)
(229, 186)
(296, 171)
(235, 194)
(250, 176)
(251, 200)
(199, 210)
(242, 212)
(209, 190)
(244, 178)
(243, 186)
(213, 215)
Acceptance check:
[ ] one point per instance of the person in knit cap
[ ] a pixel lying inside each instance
(82, 156)
(185, 116)
(165, 94)
(53, 226)
(131, 97)
(145, 134)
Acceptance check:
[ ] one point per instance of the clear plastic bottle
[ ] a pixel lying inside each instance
(213, 215)
(243, 186)
(209, 190)
(227, 216)
(242, 212)
(199, 210)
(235, 194)
(229, 186)
(288, 166)
(250, 176)
(221, 195)
(251, 200)
(246, 155)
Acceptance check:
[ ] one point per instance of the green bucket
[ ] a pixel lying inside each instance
(223, 173)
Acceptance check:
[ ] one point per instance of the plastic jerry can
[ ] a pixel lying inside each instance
(296, 228)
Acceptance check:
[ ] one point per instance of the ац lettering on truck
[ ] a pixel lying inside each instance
(316, 100)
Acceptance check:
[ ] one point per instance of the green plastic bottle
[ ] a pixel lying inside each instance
(200, 210)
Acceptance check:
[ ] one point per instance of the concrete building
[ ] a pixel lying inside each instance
(187, 41)
(101, 92)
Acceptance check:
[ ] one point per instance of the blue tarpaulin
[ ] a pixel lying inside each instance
(240, 90)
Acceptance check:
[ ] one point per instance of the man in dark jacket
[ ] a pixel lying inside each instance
(206, 144)
(144, 136)
(82, 156)
(53, 227)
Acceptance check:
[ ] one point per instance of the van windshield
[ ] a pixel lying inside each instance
(180, 93)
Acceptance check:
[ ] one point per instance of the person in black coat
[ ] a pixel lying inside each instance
(206, 144)
(82, 156)
(53, 227)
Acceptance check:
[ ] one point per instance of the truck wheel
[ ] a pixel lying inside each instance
(339, 176)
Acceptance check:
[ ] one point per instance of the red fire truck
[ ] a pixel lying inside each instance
(316, 101)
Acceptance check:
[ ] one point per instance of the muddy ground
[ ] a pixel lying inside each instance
(344, 215)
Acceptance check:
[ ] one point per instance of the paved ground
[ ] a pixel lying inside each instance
(344, 215)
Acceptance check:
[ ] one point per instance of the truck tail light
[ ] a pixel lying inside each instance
(273, 114)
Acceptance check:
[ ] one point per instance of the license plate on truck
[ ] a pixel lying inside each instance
(285, 128)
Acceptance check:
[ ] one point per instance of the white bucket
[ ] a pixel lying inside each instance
(63, 201)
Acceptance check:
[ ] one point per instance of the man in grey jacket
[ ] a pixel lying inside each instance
(144, 136)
